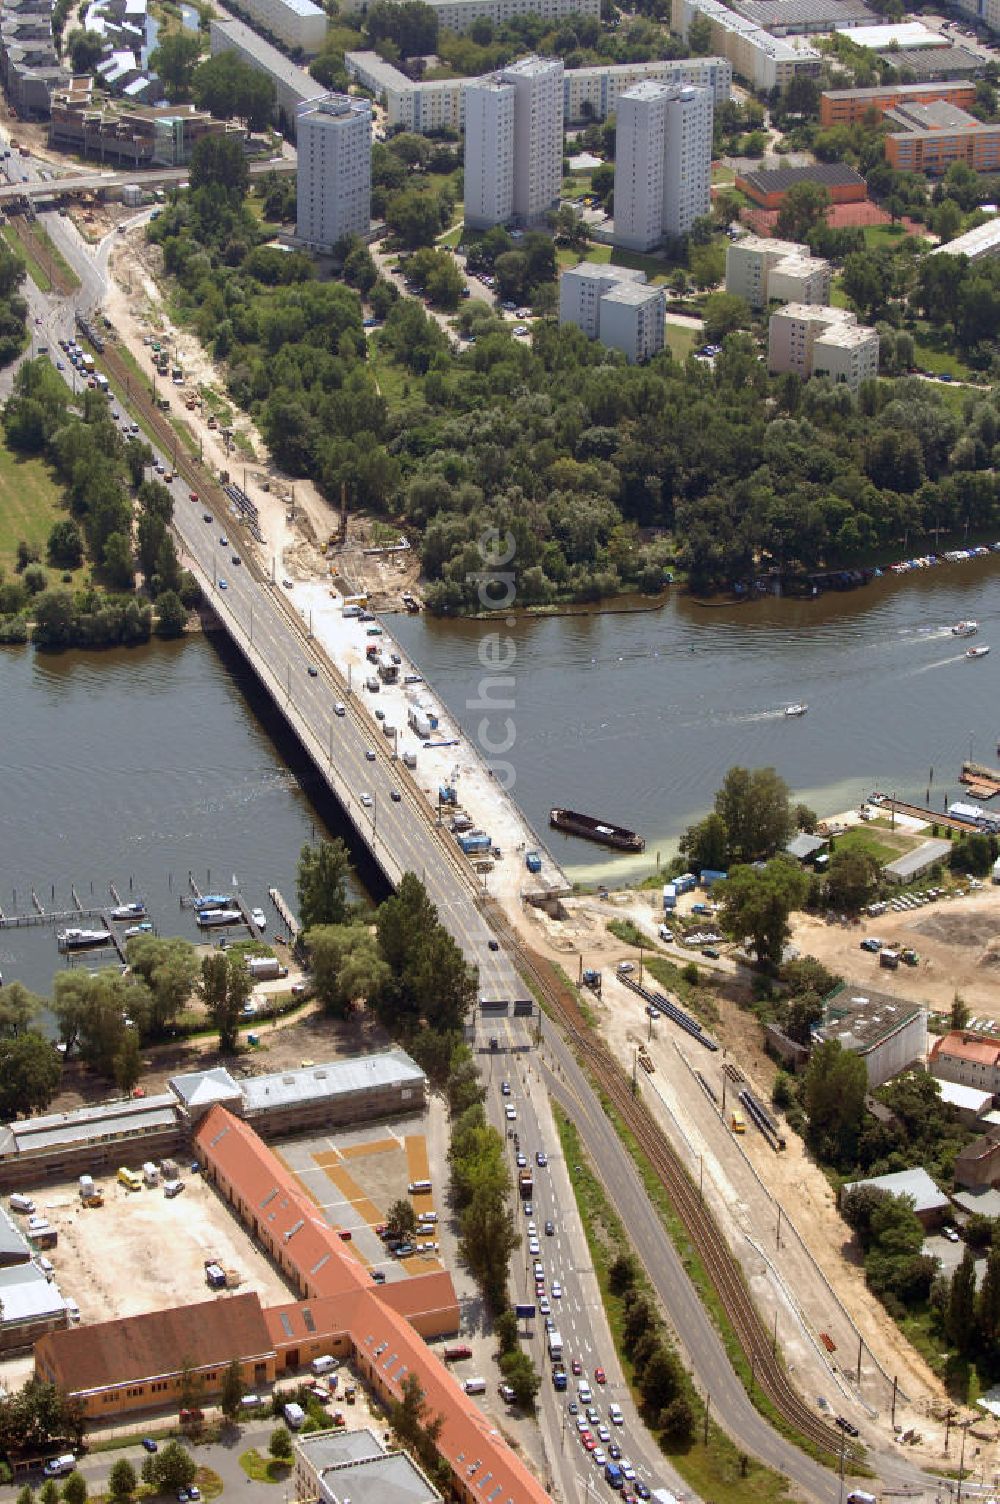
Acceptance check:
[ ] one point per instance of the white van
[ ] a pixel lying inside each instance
(295, 1416)
(324, 1364)
(19, 1203)
(475, 1386)
(418, 1187)
(340, 708)
(58, 1467)
(429, 1217)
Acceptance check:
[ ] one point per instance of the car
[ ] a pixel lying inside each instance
(529, 1209)
(576, 1366)
(520, 328)
(493, 944)
(312, 671)
(182, 1496)
(370, 754)
(344, 1233)
(544, 1306)
(593, 1414)
(615, 1415)
(237, 559)
(600, 1376)
(505, 1088)
(149, 1445)
(380, 715)
(206, 516)
(604, 1434)
(614, 1451)
(627, 1469)
(625, 968)
(223, 541)
(521, 1160)
(588, 1441)
(642, 1489)
(549, 1229)
(581, 1422)
(572, 1407)
(287, 584)
(556, 1290)
(511, 1113)
(848, 1428)
(870, 943)
(541, 1158)
(534, 1246)
(950, 1233)
(367, 801)
(60, 366)
(194, 1492)
(710, 951)
(223, 583)
(600, 1456)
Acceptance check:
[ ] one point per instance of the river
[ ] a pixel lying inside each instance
(636, 717)
(135, 767)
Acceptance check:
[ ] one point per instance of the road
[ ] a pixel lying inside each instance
(24, 180)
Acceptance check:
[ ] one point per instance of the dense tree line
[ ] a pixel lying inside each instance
(664, 1387)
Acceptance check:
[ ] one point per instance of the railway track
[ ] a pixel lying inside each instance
(766, 1369)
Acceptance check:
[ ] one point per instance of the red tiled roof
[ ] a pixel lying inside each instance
(963, 1047)
(134, 1348)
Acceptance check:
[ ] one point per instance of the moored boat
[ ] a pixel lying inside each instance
(77, 939)
(575, 824)
(129, 911)
(209, 918)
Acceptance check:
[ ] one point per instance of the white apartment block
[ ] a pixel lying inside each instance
(592, 93)
(616, 306)
(298, 25)
(458, 15)
(761, 270)
(334, 179)
(489, 153)
(514, 143)
(294, 87)
(987, 11)
(807, 340)
(765, 61)
(663, 162)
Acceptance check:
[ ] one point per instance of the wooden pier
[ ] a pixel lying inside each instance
(285, 914)
(62, 916)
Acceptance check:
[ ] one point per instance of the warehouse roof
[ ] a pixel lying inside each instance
(338, 1078)
(792, 13)
(13, 1247)
(936, 62)
(117, 1353)
(109, 1120)
(984, 240)
(780, 179)
(965, 1098)
(26, 1295)
(919, 859)
(898, 34)
(915, 1183)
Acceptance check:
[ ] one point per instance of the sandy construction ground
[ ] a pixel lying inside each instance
(141, 1252)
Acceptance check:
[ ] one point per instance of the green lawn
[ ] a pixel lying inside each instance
(260, 1469)
(30, 502)
(36, 271)
(930, 354)
(884, 847)
(44, 239)
(453, 236)
(681, 341)
(883, 237)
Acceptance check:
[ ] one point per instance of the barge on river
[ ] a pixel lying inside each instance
(590, 829)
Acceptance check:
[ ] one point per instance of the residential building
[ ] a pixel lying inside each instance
(333, 1466)
(801, 17)
(970, 1104)
(966, 1058)
(616, 306)
(915, 863)
(760, 270)
(293, 85)
(663, 163)
(489, 153)
(459, 15)
(334, 177)
(929, 1204)
(298, 25)
(592, 93)
(985, 11)
(514, 143)
(158, 136)
(889, 1034)
(978, 1164)
(765, 61)
(978, 244)
(29, 64)
(847, 106)
(932, 136)
(423, 105)
(769, 187)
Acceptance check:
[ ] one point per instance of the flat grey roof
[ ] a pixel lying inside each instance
(916, 1183)
(805, 845)
(806, 12)
(245, 39)
(968, 1097)
(944, 62)
(331, 1448)
(921, 857)
(13, 1245)
(861, 1021)
(26, 1295)
(338, 1078)
(392, 1479)
(109, 1120)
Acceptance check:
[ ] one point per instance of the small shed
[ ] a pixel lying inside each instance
(805, 848)
(907, 868)
(930, 1204)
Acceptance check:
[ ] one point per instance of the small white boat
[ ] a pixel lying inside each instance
(259, 918)
(976, 652)
(796, 709)
(82, 939)
(965, 629)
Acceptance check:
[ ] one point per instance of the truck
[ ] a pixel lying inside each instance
(447, 794)
(710, 875)
(295, 1416)
(532, 861)
(418, 722)
(560, 1380)
(474, 842)
(669, 897)
(86, 1186)
(388, 671)
(150, 1173)
(265, 968)
(215, 1275)
(889, 959)
(686, 883)
(526, 1183)
(555, 1346)
(614, 1474)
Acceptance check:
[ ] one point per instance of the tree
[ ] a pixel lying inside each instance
(677, 1419)
(522, 1376)
(805, 818)
(401, 1219)
(833, 1094)
(756, 905)
(755, 810)
(229, 88)
(706, 844)
(232, 1390)
(65, 546)
(174, 58)
(852, 878)
(86, 48)
(122, 1479)
(488, 1238)
(959, 1012)
(49, 1492)
(218, 161)
(171, 1468)
(30, 1072)
(803, 208)
(171, 614)
(18, 1009)
(346, 965)
(74, 1490)
(960, 1319)
(724, 312)
(280, 1445)
(699, 37)
(321, 883)
(169, 968)
(224, 988)
(415, 217)
(128, 1062)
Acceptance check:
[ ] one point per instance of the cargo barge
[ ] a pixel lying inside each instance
(596, 830)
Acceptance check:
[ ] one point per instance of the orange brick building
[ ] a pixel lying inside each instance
(848, 106)
(768, 189)
(930, 137)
